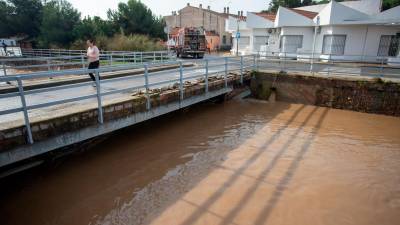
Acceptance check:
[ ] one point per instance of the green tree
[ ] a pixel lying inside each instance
(20, 17)
(5, 15)
(387, 4)
(58, 22)
(134, 17)
(274, 4)
(92, 27)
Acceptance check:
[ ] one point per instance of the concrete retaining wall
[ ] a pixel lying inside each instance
(358, 94)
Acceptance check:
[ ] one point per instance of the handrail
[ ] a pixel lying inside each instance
(52, 63)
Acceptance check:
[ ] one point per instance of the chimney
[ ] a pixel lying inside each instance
(224, 10)
(201, 6)
(238, 13)
(208, 7)
(241, 13)
(188, 4)
(227, 10)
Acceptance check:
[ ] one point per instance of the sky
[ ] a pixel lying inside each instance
(165, 7)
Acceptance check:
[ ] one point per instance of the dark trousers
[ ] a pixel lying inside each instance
(93, 65)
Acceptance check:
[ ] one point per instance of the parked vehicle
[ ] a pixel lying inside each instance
(191, 42)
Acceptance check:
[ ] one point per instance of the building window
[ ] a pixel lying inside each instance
(224, 39)
(290, 43)
(389, 45)
(259, 41)
(333, 44)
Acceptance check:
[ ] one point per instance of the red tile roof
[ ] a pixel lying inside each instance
(268, 16)
(305, 13)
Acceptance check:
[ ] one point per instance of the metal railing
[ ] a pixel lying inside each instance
(54, 63)
(343, 65)
(206, 69)
(69, 52)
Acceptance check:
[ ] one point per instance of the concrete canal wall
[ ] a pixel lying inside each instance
(350, 93)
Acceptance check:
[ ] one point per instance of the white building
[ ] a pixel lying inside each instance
(354, 30)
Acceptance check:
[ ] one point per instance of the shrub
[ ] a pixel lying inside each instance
(122, 42)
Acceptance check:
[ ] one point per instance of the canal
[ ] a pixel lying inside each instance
(238, 162)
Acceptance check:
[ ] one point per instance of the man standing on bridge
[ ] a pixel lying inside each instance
(93, 55)
(4, 48)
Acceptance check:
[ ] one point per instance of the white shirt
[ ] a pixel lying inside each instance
(93, 54)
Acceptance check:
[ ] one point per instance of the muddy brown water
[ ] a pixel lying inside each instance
(241, 162)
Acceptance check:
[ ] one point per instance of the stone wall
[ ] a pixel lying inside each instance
(358, 94)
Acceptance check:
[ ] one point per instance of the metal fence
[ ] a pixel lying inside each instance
(317, 63)
(37, 52)
(205, 69)
(53, 63)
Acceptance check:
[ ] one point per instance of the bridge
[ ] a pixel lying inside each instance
(41, 119)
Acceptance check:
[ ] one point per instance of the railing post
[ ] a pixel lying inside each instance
(99, 103)
(329, 67)
(330, 63)
(382, 75)
(154, 56)
(26, 115)
(4, 68)
(206, 78)
(146, 80)
(162, 59)
(181, 81)
(48, 65)
(241, 69)
(254, 63)
(226, 72)
(134, 57)
(111, 59)
(83, 62)
(141, 57)
(284, 62)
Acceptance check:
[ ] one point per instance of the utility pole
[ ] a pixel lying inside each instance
(313, 48)
(239, 18)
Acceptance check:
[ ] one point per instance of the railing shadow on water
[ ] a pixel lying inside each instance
(263, 216)
(217, 194)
